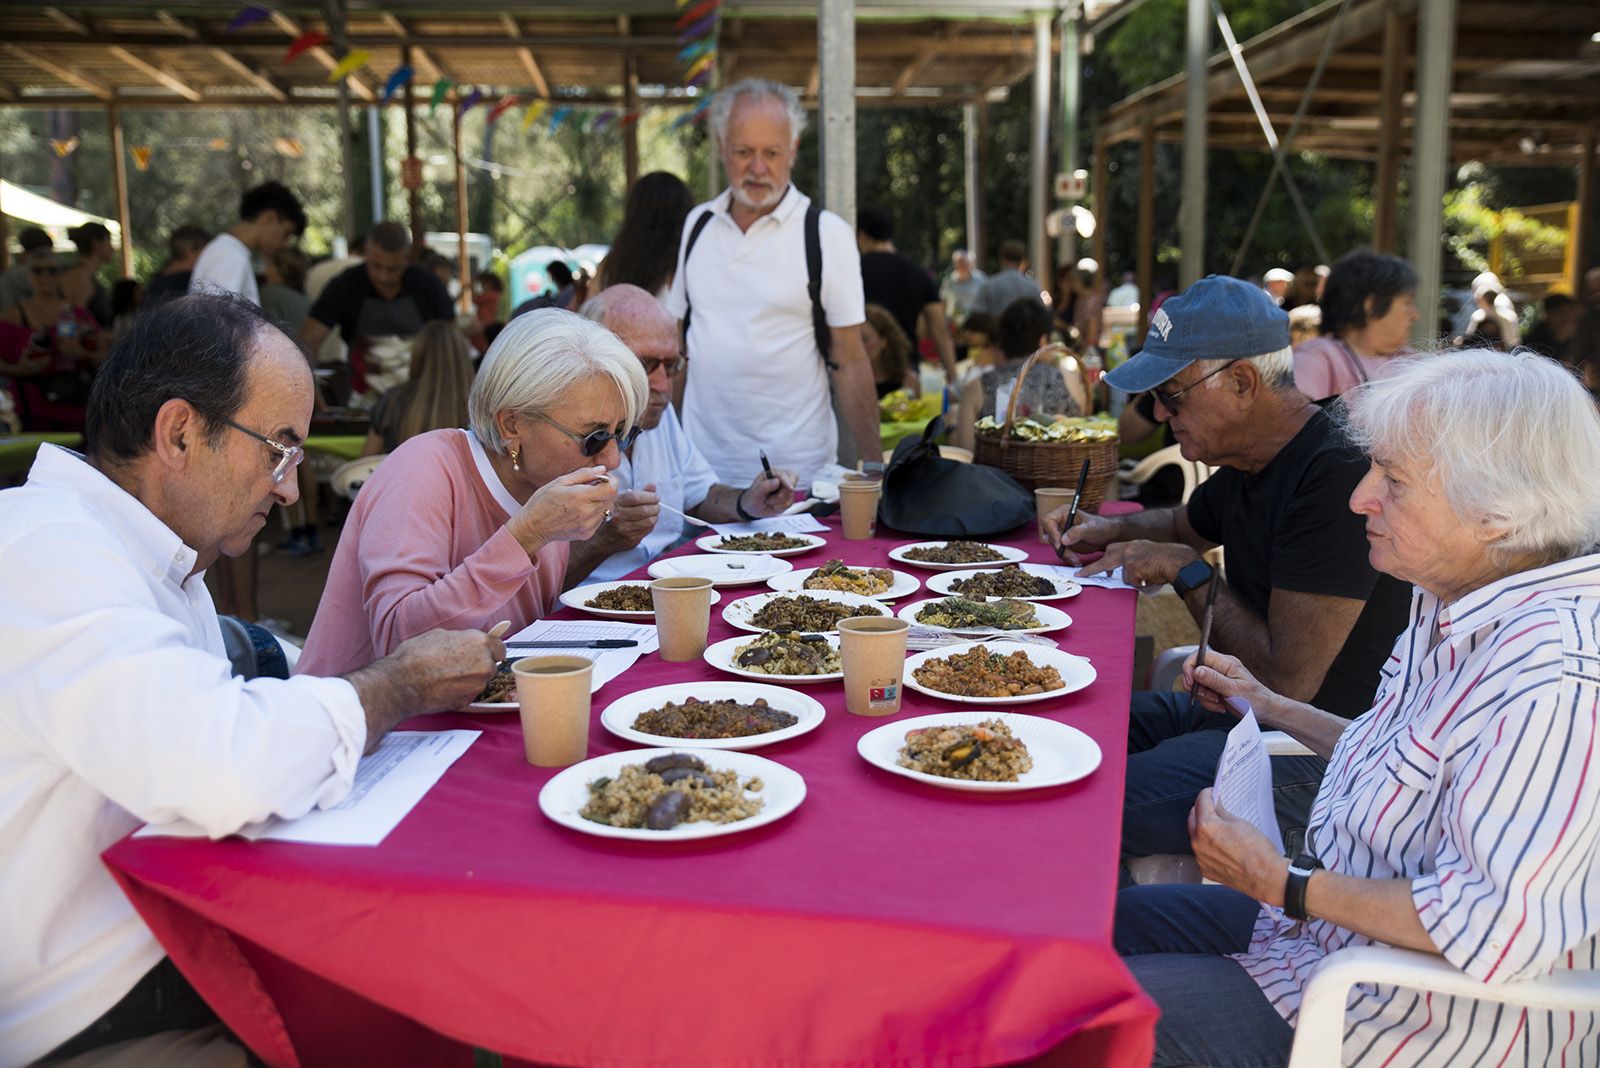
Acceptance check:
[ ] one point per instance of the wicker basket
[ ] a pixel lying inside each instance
(1048, 463)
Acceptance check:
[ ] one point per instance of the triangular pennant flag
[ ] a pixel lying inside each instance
(694, 51)
(504, 106)
(250, 13)
(290, 147)
(557, 117)
(218, 144)
(353, 61)
(699, 29)
(699, 11)
(470, 101)
(699, 80)
(397, 79)
(531, 116)
(441, 88)
(141, 156)
(629, 119)
(304, 43)
(695, 115)
(65, 148)
(602, 120)
(701, 66)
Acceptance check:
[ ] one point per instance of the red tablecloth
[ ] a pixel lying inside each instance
(883, 923)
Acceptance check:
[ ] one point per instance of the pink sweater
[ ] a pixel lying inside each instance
(1323, 368)
(426, 546)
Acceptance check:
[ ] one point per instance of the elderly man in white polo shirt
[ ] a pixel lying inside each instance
(758, 379)
(662, 475)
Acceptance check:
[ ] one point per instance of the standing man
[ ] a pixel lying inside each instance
(1007, 284)
(761, 377)
(960, 288)
(1277, 282)
(183, 249)
(270, 217)
(902, 287)
(387, 296)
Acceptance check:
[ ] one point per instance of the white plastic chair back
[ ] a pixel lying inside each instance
(348, 478)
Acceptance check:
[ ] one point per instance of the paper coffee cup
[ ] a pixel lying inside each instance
(858, 507)
(683, 616)
(1047, 499)
(873, 651)
(553, 694)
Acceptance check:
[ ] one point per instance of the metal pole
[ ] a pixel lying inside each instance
(980, 253)
(1583, 248)
(1436, 44)
(119, 179)
(1038, 158)
(463, 264)
(630, 131)
(1146, 252)
(974, 190)
(836, 100)
(1101, 192)
(1192, 206)
(375, 162)
(413, 196)
(347, 160)
(1071, 97)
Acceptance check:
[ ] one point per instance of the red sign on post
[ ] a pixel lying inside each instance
(411, 173)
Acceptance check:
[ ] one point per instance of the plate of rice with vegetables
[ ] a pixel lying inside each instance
(814, 610)
(676, 794)
(997, 672)
(956, 555)
(981, 752)
(964, 616)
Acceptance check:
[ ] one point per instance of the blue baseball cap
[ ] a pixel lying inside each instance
(1217, 318)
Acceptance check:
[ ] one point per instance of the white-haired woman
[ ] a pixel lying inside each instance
(463, 528)
(1461, 815)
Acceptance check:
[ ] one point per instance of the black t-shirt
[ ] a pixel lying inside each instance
(1289, 526)
(898, 284)
(351, 303)
(163, 287)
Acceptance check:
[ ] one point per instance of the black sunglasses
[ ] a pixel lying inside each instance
(672, 364)
(595, 441)
(1170, 401)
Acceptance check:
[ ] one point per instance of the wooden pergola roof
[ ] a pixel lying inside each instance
(1526, 83)
(180, 54)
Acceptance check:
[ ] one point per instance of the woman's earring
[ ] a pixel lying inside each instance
(516, 459)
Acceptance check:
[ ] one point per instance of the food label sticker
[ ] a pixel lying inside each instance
(883, 693)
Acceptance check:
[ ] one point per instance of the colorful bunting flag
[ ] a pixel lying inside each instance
(694, 51)
(249, 14)
(699, 29)
(557, 117)
(531, 116)
(629, 119)
(470, 101)
(441, 89)
(64, 148)
(699, 11)
(304, 43)
(701, 66)
(141, 156)
(397, 80)
(218, 144)
(504, 106)
(353, 61)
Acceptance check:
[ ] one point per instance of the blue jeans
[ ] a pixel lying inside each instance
(1173, 939)
(1172, 755)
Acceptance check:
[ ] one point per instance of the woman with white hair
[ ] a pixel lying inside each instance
(463, 528)
(1459, 815)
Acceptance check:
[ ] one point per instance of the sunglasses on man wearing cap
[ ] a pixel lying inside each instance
(1170, 401)
(595, 441)
(671, 364)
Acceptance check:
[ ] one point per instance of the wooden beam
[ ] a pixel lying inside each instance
(1146, 240)
(177, 25)
(119, 182)
(66, 74)
(924, 55)
(177, 85)
(251, 73)
(431, 69)
(814, 81)
(77, 26)
(321, 55)
(1392, 88)
(535, 75)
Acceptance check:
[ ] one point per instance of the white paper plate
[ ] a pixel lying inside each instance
(595, 682)
(720, 656)
(564, 796)
(1050, 619)
(1075, 671)
(575, 598)
(1009, 555)
(711, 542)
(794, 582)
(619, 715)
(1064, 587)
(723, 569)
(1061, 754)
(738, 613)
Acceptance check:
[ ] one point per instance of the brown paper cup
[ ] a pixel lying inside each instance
(858, 506)
(873, 651)
(683, 615)
(1047, 499)
(553, 692)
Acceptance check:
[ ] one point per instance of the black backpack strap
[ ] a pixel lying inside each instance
(694, 235)
(819, 318)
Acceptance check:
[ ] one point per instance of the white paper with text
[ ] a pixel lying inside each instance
(1243, 786)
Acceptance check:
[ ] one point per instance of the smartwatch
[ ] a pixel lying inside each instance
(1192, 577)
(1294, 889)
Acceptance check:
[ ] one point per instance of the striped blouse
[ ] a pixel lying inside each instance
(1475, 777)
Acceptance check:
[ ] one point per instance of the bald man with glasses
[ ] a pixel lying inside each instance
(662, 475)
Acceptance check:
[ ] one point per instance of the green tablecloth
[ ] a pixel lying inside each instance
(16, 453)
(344, 446)
(894, 433)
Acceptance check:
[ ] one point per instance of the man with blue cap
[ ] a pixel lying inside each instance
(1300, 605)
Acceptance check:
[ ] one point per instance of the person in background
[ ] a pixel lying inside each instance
(434, 395)
(890, 352)
(488, 297)
(172, 280)
(1556, 334)
(560, 294)
(645, 251)
(49, 349)
(959, 290)
(1007, 284)
(897, 284)
(1494, 322)
(14, 283)
(441, 267)
(1305, 323)
(1368, 309)
(1276, 282)
(126, 296)
(80, 279)
(1126, 293)
(283, 296)
(1049, 388)
(1305, 289)
(1088, 312)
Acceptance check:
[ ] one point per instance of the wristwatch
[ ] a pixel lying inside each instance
(1192, 576)
(1294, 889)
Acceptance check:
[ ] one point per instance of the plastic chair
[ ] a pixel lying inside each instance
(347, 479)
(1194, 472)
(1319, 1034)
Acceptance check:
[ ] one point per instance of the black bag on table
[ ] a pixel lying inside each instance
(924, 493)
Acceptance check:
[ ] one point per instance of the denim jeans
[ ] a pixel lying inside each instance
(1172, 755)
(1173, 939)
(162, 1001)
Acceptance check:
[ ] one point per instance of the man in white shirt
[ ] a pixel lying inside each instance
(661, 467)
(117, 705)
(269, 218)
(760, 381)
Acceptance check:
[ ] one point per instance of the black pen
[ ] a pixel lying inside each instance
(1205, 638)
(767, 467)
(1072, 513)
